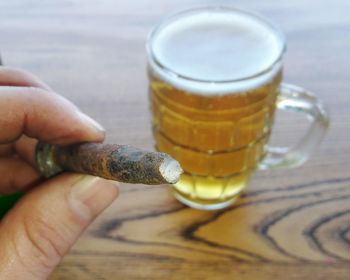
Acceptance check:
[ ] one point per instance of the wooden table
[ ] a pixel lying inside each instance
(289, 224)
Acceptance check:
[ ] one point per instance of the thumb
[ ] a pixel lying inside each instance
(41, 228)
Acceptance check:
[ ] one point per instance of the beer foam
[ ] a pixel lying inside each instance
(216, 46)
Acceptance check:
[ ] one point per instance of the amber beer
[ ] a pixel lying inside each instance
(214, 78)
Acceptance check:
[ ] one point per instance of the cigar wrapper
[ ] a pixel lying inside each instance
(121, 163)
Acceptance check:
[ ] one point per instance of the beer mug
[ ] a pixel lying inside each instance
(215, 81)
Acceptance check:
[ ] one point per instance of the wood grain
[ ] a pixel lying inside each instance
(289, 224)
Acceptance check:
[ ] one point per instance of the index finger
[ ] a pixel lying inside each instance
(43, 115)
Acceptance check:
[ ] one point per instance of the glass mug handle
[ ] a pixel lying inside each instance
(295, 99)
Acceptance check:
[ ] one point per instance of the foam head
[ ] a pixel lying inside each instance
(216, 45)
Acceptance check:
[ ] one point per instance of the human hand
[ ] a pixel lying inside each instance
(46, 222)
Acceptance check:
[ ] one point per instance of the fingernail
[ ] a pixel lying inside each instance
(91, 195)
(91, 122)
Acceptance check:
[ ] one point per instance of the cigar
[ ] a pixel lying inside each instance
(121, 163)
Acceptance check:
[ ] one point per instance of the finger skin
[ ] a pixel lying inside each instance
(42, 227)
(6, 149)
(16, 175)
(16, 77)
(43, 115)
(25, 148)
